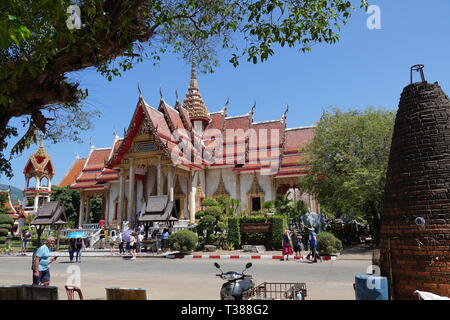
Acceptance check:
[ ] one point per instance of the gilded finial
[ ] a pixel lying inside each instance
(285, 112)
(252, 111)
(139, 89)
(161, 93)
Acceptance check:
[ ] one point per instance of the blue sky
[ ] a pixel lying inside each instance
(366, 68)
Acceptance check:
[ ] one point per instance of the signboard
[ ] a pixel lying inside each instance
(255, 227)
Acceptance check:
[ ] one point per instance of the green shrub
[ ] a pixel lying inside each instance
(214, 211)
(5, 219)
(210, 202)
(234, 232)
(183, 240)
(200, 214)
(4, 232)
(2, 240)
(327, 243)
(6, 226)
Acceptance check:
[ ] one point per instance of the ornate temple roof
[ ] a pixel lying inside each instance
(12, 212)
(254, 146)
(39, 162)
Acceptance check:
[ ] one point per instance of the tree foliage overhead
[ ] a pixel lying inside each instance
(39, 46)
(348, 158)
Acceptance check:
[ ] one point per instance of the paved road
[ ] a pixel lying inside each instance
(167, 279)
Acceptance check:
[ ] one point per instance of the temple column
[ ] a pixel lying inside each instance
(81, 215)
(88, 210)
(170, 175)
(121, 197)
(158, 177)
(36, 197)
(36, 203)
(131, 194)
(238, 191)
(191, 199)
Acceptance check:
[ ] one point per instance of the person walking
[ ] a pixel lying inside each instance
(120, 241)
(297, 244)
(102, 238)
(140, 238)
(72, 248)
(26, 237)
(79, 249)
(286, 245)
(165, 240)
(133, 245)
(42, 259)
(313, 246)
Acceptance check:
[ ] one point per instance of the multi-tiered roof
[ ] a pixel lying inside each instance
(172, 125)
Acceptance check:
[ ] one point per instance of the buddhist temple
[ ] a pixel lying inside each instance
(187, 153)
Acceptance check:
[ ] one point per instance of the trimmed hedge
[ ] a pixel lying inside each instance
(2, 240)
(5, 219)
(4, 232)
(183, 240)
(279, 224)
(234, 232)
(62, 241)
(327, 243)
(6, 226)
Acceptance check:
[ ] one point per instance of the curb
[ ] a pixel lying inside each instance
(194, 256)
(242, 256)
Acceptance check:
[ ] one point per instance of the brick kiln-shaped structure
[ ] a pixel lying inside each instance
(415, 224)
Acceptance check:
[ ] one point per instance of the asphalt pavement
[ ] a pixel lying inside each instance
(184, 279)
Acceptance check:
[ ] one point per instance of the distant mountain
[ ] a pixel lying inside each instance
(16, 193)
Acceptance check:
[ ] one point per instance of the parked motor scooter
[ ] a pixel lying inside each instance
(237, 283)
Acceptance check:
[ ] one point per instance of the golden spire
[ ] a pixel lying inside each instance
(193, 102)
(41, 150)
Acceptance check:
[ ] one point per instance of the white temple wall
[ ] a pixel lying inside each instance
(246, 183)
(266, 184)
(212, 178)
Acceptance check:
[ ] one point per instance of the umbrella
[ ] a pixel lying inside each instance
(76, 234)
(126, 235)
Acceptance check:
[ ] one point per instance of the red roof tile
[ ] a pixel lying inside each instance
(73, 173)
(298, 138)
(96, 160)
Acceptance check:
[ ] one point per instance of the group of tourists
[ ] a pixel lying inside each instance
(294, 243)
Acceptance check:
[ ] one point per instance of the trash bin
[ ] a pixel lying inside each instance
(116, 293)
(10, 292)
(28, 292)
(371, 287)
